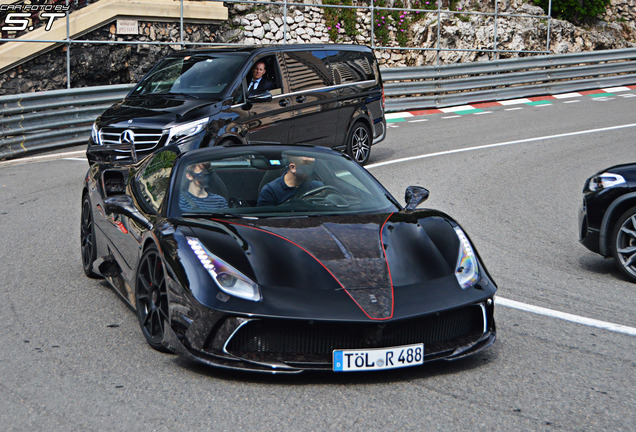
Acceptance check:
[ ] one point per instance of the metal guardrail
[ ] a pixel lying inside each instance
(42, 121)
(442, 86)
(36, 122)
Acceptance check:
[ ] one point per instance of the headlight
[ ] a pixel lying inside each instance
(95, 134)
(603, 181)
(467, 269)
(228, 279)
(186, 130)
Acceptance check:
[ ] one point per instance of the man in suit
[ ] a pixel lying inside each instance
(258, 82)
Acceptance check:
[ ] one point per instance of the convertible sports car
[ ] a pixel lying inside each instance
(229, 262)
(607, 220)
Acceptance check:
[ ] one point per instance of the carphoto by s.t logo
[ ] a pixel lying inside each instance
(19, 17)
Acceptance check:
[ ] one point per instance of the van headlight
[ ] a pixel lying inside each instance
(467, 268)
(227, 278)
(185, 130)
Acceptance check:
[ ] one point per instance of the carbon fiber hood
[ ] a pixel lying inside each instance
(344, 265)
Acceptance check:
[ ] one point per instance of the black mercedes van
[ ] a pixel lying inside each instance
(329, 95)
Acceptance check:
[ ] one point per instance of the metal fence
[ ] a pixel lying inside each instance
(61, 118)
(376, 9)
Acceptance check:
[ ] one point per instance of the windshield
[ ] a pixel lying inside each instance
(199, 75)
(269, 183)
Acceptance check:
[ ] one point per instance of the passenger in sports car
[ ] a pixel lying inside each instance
(293, 183)
(196, 197)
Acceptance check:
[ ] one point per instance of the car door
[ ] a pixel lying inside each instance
(314, 96)
(147, 187)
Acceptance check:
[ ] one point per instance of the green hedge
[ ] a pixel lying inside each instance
(575, 11)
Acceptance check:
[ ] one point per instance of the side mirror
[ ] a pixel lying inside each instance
(123, 204)
(414, 196)
(259, 97)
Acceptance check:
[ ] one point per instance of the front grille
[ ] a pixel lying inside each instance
(146, 140)
(298, 342)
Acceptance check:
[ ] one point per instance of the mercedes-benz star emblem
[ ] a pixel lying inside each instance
(127, 137)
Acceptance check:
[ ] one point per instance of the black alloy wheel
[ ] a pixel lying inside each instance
(624, 243)
(359, 143)
(151, 298)
(87, 238)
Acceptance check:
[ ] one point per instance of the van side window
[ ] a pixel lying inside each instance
(307, 70)
(349, 66)
(271, 76)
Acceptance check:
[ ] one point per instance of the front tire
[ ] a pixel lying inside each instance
(87, 238)
(359, 142)
(151, 298)
(623, 243)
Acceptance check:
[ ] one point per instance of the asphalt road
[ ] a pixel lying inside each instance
(73, 357)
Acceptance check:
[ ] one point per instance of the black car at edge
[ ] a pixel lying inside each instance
(607, 219)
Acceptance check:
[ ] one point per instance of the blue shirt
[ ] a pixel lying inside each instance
(277, 192)
(188, 202)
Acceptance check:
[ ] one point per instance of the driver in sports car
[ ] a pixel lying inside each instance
(293, 183)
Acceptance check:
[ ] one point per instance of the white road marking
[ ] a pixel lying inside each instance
(616, 89)
(515, 102)
(618, 328)
(567, 95)
(501, 144)
(574, 101)
(24, 160)
(390, 116)
(417, 121)
(513, 109)
(457, 108)
(483, 112)
(451, 117)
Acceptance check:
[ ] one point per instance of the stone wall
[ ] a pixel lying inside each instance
(102, 64)
(458, 31)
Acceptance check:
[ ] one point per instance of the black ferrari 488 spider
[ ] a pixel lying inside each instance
(283, 259)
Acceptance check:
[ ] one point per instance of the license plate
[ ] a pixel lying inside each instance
(378, 358)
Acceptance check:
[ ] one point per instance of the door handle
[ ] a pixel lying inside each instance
(301, 99)
(283, 102)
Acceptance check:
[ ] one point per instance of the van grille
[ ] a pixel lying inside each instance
(146, 140)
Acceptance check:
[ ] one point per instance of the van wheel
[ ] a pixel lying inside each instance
(359, 143)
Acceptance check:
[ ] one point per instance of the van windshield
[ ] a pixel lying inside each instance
(198, 75)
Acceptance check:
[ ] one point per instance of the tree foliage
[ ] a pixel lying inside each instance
(575, 11)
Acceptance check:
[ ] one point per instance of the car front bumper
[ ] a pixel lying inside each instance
(273, 345)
